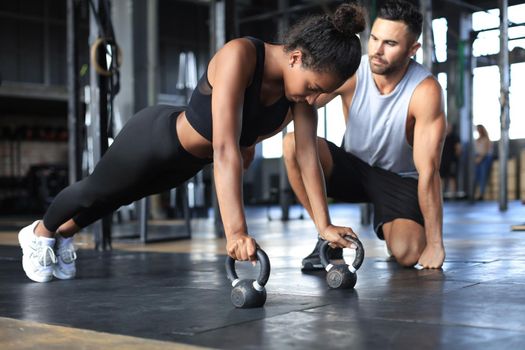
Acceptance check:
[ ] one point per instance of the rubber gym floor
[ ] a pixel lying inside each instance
(175, 295)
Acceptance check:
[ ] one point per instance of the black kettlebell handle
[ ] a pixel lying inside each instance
(359, 254)
(264, 274)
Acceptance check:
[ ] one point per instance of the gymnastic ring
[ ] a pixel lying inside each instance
(93, 55)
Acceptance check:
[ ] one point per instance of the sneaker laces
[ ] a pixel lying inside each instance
(46, 255)
(67, 253)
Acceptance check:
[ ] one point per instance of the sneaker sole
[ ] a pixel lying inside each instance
(312, 267)
(315, 267)
(62, 276)
(31, 275)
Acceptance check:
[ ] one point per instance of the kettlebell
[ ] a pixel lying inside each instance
(248, 293)
(342, 276)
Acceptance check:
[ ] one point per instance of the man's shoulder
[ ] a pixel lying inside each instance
(429, 86)
(421, 69)
(427, 99)
(420, 76)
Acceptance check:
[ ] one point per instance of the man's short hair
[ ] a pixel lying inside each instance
(401, 10)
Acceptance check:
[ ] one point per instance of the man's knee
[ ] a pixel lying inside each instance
(406, 241)
(407, 256)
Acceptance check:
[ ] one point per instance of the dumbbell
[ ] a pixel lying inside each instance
(249, 293)
(342, 276)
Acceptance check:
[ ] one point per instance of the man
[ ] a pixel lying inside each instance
(392, 146)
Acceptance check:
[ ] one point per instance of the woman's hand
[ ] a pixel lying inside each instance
(242, 247)
(336, 235)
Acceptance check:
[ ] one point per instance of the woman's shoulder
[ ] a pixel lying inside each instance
(240, 46)
(241, 52)
(235, 60)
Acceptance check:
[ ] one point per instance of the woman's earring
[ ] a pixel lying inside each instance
(291, 65)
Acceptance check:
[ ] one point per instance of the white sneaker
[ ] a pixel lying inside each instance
(65, 267)
(38, 257)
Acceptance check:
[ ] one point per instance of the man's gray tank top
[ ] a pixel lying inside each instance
(376, 128)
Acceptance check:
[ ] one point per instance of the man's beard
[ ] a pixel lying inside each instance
(386, 68)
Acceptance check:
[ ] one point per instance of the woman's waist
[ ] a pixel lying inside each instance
(191, 140)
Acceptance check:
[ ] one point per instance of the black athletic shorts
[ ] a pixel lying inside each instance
(355, 181)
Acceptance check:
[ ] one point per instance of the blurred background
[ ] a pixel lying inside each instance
(72, 72)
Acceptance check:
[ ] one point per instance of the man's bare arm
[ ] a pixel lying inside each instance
(429, 136)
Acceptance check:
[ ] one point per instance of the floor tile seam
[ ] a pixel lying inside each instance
(193, 334)
(359, 298)
(264, 318)
(427, 299)
(472, 284)
(499, 282)
(495, 281)
(508, 259)
(446, 324)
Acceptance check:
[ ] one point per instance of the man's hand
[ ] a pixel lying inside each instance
(336, 234)
(432, 257)
(242, 247)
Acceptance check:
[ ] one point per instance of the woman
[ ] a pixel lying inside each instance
(483, 160)
(449, 162)
(251, 90)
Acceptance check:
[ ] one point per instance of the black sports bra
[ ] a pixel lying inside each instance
(257, 119)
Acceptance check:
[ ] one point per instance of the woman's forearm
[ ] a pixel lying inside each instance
(227, 172)
(313, 180)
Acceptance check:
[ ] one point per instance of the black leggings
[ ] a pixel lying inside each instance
(145, 158)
